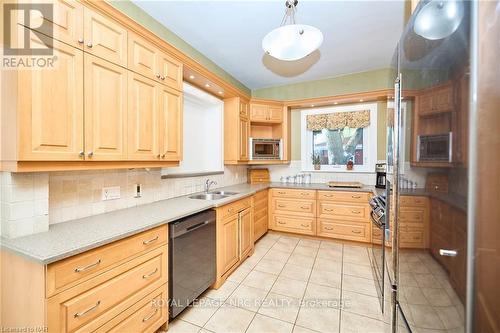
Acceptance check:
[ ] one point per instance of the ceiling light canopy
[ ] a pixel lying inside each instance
(439, 19)
(292, 41)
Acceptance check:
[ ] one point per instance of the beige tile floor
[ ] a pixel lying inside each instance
(299, 285)
(291, 284)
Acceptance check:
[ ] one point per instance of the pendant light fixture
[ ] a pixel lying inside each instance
(439, 19)
(292, 41)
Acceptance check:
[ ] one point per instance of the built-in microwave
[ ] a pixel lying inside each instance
(266, 149)
(435, 148)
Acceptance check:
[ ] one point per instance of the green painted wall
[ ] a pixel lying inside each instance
(140, 16)
(345, 84)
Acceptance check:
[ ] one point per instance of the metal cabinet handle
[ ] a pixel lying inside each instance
(149, 316)
(281, 222)
(355, 211)
(355, 196)
(230, 210)
(147, 276)
(303, 193)
(329, 209)
(328, 195)
(84, 268)
(328, 228)
(89, 44)
(83, 313)
(281, 206)
(90, 154)
(448, 253)
(355, 231)
(304, 207)
(146, 242)
(305, 225)
(281, 192)
(81, 153)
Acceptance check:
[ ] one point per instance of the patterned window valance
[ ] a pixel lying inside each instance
(338, 120)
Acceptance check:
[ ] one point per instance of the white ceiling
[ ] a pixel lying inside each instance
(358, 35)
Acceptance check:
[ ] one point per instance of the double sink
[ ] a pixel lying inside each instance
(214, 195)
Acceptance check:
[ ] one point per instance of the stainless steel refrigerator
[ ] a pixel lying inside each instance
(444, 128)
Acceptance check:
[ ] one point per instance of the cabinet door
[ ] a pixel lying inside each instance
(228, 244)
(170, 71)
(259, 112)
(142, 57)
(105, 110)
(425, 105)
(244, 109)
(275, 114)
(246, 232)
(244, 130)
(105, 38)
(66, 24)
(51, 108)
(170, 124)
(143, 112)
(443, 99)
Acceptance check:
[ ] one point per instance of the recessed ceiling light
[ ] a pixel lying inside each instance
(361, 100)
(191, 77)
(207, 85)
(336, 103)
(220, 92)
(312, 105)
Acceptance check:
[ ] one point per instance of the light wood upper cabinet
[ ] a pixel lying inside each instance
(66, 24)
(170, 124)
(244, 109)
(105, 38)
(266, 113)
(170, 71)
(105, 110)
(142, 57)
(246, 232)
(244, 130)
(143, 118)
(437, 100)
(50, 109)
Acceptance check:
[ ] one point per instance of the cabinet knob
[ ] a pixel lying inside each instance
(81, 153)
(163, 156)
(90, 154)
(158, 156)
(158, 75)
(162, 78)
(80, 40)
(89, 44)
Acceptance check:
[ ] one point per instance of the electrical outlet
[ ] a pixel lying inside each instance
(138, 190)
(110, 193)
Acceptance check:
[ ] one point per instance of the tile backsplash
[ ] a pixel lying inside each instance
(79, 194)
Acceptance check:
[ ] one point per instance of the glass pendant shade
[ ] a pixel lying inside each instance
(292, 42)
(439, 19)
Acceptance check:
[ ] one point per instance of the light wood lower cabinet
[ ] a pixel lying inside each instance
(344, 230)
(124, 282)
(414, 222)
(260, 214)
(294, 224)
(235, 237)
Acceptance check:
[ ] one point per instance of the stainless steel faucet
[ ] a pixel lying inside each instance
(209, 183)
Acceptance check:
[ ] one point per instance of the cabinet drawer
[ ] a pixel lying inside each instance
(342, 230)
(68, 272)
(259, 205)
(376, 235)
(355, 197)
(412, 239)
(260, 228)
(146, 315)
(411, 215)
(328, 209)
(413, 201)
(90, 309)
(299, 225)
(294, 207)
(293, 193)
(234, 207)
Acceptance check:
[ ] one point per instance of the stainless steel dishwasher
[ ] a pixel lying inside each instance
(192, 259)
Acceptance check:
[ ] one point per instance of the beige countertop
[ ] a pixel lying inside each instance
(66, 239)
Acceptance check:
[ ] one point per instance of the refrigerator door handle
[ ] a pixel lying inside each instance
(447, 253)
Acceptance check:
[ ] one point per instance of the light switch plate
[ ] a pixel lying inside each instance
(110, 193)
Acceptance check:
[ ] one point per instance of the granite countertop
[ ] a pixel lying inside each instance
(66, 239)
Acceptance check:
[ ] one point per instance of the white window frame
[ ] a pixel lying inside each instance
(369, 139)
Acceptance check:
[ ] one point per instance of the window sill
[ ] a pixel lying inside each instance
(337, 171)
